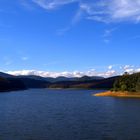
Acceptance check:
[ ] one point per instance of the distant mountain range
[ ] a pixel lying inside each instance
(10, 82)
(5, 75)
(61, 78)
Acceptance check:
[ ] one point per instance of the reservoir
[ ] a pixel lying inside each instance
(67, 114)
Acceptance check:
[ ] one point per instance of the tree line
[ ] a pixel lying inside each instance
(128, 82)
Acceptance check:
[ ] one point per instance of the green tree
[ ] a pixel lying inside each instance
(124, 87)
(128, 82)
(138, 85)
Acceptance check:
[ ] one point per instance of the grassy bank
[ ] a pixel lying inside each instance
(119, 94)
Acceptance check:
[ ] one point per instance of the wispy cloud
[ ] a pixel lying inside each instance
(134, 37)
(101, 10)
(26, 4)
(63, 30)
(52, 4)
(108, 34)
(24, 58)
(106, 11)
(114, 10)
(7, 60)
(75, 19)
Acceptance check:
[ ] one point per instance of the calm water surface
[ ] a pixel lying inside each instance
(43, 114)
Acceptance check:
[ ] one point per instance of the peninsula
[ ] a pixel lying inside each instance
(127, 86)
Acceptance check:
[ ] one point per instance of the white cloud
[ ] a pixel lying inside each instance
(108, 32)
(125, 9)
(52, 4)
(100, 10)
(114, 10)
(78, 16)
(110, 67)
(127, 67)
(109, 71)
(137, 70)
(65, 73)
(46, 74)
(130, 69)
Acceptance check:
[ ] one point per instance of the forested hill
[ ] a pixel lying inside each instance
(9, 84)
(106, 83)
(128, 82)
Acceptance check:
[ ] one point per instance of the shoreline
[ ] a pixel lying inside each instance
(118, 94)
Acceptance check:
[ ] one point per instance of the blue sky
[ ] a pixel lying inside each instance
(69, 37)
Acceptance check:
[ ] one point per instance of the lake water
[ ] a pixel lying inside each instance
(45, 114)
